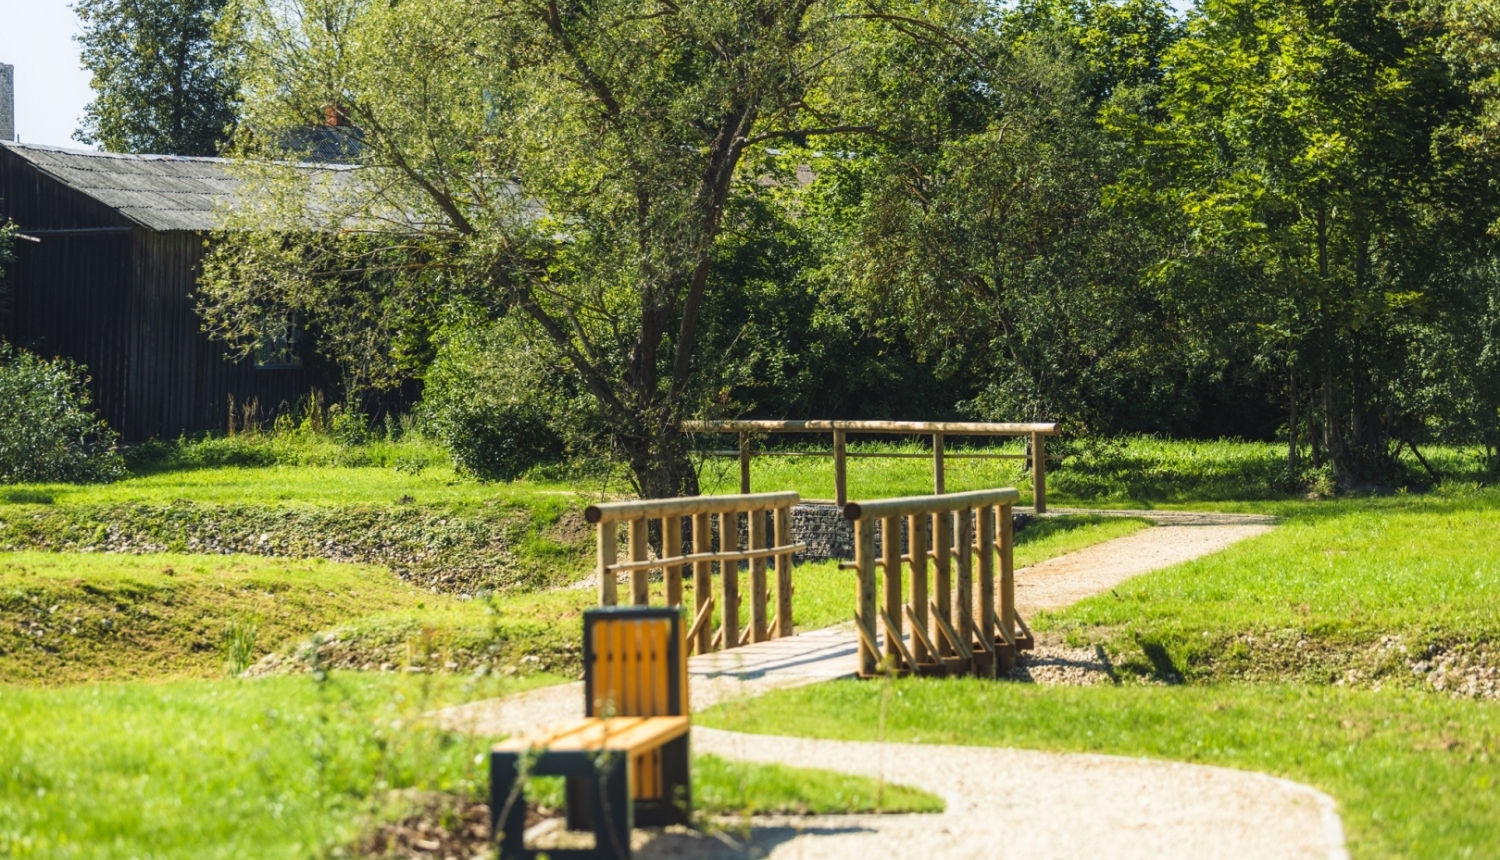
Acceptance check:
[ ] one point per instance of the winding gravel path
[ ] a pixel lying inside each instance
(1001, 803)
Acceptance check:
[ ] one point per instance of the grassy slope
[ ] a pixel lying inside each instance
(66, 618)
(272, 768)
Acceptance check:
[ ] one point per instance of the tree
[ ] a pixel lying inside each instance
(570, 163)
(161, 83)
(1309, 172)
(985, 239)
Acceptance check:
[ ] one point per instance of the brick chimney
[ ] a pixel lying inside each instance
(7, 102)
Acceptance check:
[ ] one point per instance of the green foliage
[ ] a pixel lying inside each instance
(1309, 163)
(48, 431)
(161, 84)
(495, 400)
(574, 167)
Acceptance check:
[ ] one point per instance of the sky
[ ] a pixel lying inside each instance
(51, 87)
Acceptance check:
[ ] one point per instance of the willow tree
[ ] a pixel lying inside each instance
(568, 162)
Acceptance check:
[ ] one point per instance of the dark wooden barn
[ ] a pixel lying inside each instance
(106, 264)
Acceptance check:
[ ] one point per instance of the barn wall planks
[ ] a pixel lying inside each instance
(121, 303)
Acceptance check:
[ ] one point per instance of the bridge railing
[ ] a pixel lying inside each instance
(960, 622)
(1036, 458)
(711, 526)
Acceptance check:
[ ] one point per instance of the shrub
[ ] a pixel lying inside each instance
(48, 430)
(496, 402)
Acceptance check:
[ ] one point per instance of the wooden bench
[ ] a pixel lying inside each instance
(626, 761)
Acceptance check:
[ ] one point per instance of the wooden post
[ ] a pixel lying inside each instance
(986, 549)
(916, 540)
(703, 578)
(890, 551)
(729, 574)
(758, 627)
(784, 588)
(1007, 573)
(938, 482)
(671, 544)
(942, 546)
(744, 463)
(964, 582)
(640, 580)
(608, 592)
(865, 614)
(1039, 472)
(840, 471)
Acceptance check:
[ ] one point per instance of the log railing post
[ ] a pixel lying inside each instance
(865, 615)
(744, 463)
(703, 578)
(1007, 577)
(640, 579)
(942, 548)
(783, 537)
(671, 545)
(985, 546)
(840, 469)
(608, 554)
(890, 551)
(1039, 472)
(729, 576)
(964, 579)
(938, 476)
(916, 541)
(759, 629)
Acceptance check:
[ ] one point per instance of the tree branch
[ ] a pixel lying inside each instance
(812, 132)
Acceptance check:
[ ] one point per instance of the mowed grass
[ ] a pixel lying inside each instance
(72, 617)
(283, 767)
(1415, 774)
(1422, 569)
(280, 485)
(1415, 771)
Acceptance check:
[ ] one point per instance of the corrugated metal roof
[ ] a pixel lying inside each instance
(161, 192)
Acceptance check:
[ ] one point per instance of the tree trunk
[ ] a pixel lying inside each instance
(1291, 432)
(660, 465)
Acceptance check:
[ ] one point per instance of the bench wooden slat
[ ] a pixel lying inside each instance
(633, 735)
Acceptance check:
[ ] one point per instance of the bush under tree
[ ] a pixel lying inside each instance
(48, 429)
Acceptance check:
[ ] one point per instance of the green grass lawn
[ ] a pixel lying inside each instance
(283, 767)
(1415, 775)
(1305, 653)
(1371, 586)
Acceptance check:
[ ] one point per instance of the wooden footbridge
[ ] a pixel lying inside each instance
(933, 590)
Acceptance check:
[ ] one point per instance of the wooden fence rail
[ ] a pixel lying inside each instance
(958, 625)
(938, 430)
(711, 525)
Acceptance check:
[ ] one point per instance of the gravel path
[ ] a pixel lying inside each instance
(1005, 803)
(1002, 803)
(1067, 579)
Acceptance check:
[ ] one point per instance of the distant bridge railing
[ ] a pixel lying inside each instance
(958, 625)
(713, 539)
(938, 430)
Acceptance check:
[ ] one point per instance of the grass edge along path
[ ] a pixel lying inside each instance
(285, 767)
(1414, 774)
